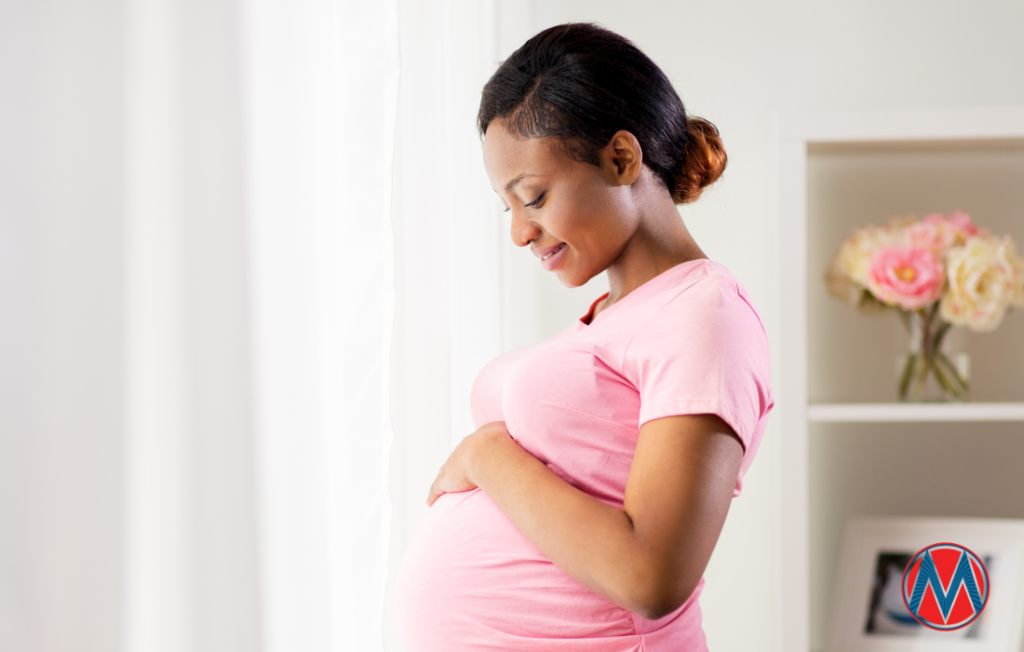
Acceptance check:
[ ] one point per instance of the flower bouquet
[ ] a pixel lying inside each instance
(937, 272)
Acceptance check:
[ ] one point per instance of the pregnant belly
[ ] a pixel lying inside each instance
(471, 580)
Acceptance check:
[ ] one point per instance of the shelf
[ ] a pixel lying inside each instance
(891, 412)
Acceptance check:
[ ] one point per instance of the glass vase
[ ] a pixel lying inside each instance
(928, 372)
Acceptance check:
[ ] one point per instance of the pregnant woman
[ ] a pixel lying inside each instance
(582, 512)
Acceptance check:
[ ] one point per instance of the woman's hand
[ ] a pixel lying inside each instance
(457, 474)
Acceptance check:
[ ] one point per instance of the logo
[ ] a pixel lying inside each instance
(945, 586)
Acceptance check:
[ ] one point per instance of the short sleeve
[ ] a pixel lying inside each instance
(704, 352)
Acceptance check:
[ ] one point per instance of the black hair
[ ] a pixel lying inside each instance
(580, 83)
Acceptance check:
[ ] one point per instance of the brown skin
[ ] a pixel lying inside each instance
(649, 556)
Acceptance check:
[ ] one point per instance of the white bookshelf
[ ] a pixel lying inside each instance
(842, 429)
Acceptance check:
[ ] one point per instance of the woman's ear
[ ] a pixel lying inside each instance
(622, 157)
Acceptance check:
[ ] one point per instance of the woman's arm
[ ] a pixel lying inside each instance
(647, 557)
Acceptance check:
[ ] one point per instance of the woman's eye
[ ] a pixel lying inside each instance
(533, 203)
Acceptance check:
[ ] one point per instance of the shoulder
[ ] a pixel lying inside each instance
(708, 328)
(708, 299)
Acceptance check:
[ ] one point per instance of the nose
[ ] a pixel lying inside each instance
(523, 231)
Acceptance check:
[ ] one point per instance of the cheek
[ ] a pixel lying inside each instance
(579, 213)
(588, 218)
(596, 231)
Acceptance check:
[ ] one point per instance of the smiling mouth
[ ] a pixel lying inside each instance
(562, 246)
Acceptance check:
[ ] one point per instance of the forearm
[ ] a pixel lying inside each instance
(593, 542)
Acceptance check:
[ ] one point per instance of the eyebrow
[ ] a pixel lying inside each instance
(512, 184)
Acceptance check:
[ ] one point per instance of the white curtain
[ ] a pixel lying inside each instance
(448, 228)
(250, 271)
(189, 549)
(285, 160)
(362, 118)
(322, 88)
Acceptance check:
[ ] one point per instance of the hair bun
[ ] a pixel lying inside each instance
(703, 163)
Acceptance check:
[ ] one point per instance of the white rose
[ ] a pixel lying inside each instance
(985, 277)
(847, 273)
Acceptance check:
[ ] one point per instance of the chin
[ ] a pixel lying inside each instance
(569, 281)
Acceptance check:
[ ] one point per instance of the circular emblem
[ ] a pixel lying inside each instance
(945, 586)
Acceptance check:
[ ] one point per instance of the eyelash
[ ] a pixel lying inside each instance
(533, 203)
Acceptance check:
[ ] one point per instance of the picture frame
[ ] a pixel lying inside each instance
(868, 612)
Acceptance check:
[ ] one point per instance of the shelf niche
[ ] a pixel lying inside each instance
(852, 355)
(903, 469)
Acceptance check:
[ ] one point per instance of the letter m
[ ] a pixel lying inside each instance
(928, 575)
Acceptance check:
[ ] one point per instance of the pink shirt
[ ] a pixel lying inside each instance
(688, 341)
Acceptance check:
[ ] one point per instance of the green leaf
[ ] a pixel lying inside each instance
(905, 318)
(940, 334)
(945, 361)
(908, 370)
(869, 303)
(946, 383)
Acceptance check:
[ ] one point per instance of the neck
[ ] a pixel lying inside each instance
(660, 242)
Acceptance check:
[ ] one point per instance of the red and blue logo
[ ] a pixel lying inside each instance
(945, 586)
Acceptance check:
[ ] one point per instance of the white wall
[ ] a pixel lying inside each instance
(61, 379)
(738, 64)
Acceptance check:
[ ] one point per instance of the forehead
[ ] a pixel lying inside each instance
(507, 156)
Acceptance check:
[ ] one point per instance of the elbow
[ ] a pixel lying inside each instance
(662, 584)
(656, 610)
(660, 601)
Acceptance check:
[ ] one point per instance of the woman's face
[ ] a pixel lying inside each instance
(554, 200)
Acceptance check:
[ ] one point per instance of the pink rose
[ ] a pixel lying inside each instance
(934, 233)
(938, 233)
(908, 277)
(961, 221)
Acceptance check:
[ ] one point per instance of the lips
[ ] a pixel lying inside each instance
(553, 254)
(544, 251)
(553, 260)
